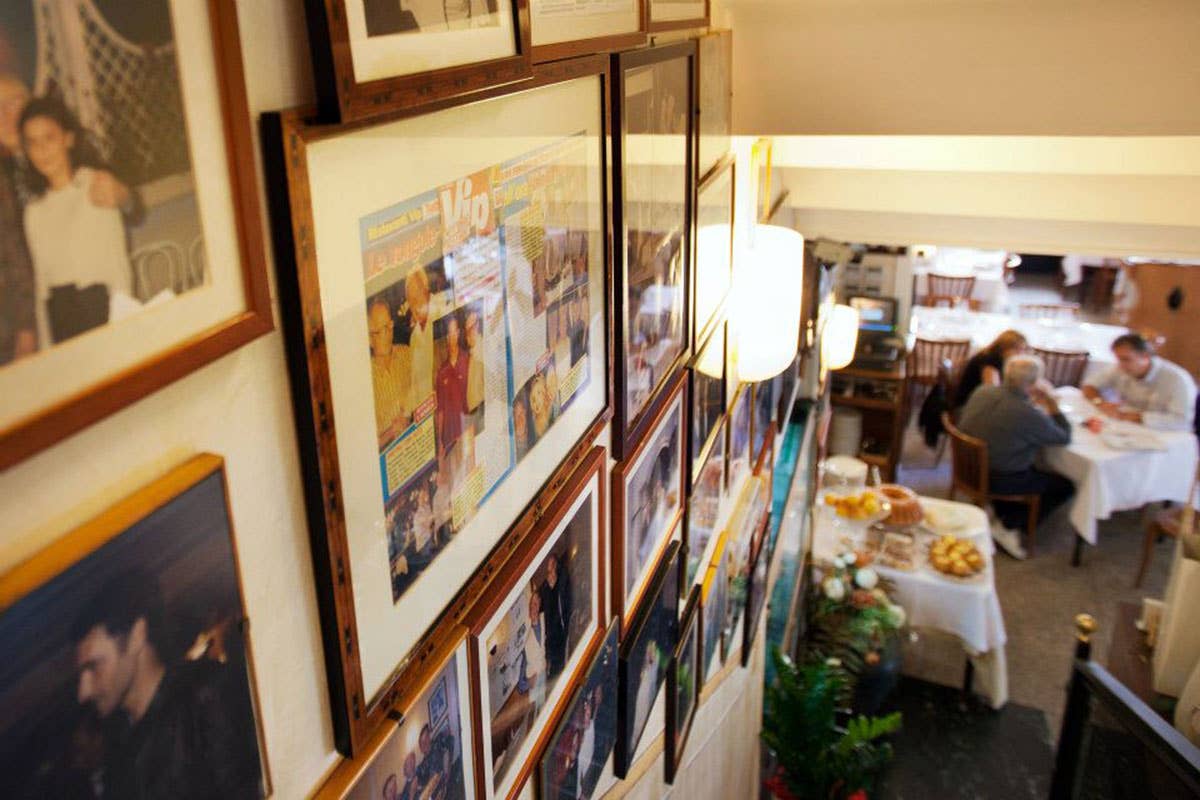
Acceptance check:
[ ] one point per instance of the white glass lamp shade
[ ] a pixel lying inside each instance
(839, 340)
(768, 282)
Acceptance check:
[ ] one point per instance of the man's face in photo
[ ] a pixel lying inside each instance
(106, 665)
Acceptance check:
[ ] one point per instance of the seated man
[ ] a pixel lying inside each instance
(1008, 418)
(1152, 390)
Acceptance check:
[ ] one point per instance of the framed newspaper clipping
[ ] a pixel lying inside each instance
(653, 98)
(448, 340)
(714, 102)
(371, 57)
(666, 15)
(561, 28)
(131, 246)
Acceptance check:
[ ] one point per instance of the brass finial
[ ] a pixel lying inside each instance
(1085, 626)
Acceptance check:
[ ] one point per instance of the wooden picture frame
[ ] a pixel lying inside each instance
(715, 597)
(704, 503)
(150, 590)
(230, 241)
(677, 14)
(764, 405)
(713, 274)
(739, 453)
(568, 745)
(500, 626)
(563, 30)
(708, 386)
(653, 635)
(367, 62)
(756, 593)
(714, 101)
(345, 464)
(448, 687)
(685, 677)
(643, 524)
(653, 100)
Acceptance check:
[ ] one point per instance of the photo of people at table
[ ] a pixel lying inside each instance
(126, 674)
(98, 210)
(584, 740)
(536, 637)
(653, 494)
(423, 758)
(419, 524)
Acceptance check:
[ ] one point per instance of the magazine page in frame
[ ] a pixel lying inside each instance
(569, 27)
(653, 100)
(122, 267)
(127, 653)
(669, 14)
(530, 636)
(375, 56)
(458, 285)
(715, 100)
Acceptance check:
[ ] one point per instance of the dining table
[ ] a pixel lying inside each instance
(968, 609)
(1122, 466)
(981, 327)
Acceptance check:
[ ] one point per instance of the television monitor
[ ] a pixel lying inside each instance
(876, 314)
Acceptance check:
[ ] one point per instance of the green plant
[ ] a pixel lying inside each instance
(817, 756)
(851, 617)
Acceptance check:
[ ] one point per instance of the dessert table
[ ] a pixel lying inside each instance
(1108, 475)
(966, 608)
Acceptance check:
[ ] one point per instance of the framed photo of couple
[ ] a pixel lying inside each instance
(448, 342)
(127, 653)
(131, 251)
(534, 631)
(653, 99)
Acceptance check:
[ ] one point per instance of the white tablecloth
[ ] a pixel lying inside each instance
(968, 610)
(990, 289)
(1108, 480)
(982, 327)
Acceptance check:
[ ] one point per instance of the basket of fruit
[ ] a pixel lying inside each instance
(865, 507)
(955, 557)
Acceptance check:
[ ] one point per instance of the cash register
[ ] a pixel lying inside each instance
(879, 346)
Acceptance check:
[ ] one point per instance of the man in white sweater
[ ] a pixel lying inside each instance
(1150, 390)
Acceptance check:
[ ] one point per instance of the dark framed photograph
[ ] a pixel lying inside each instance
(715, 100)
(429, 754)
(707, 373)
(645, 654)
(756, 596)
(457, 368)
(684, 679)
(530, 635)
(127, 653)
(704, 507)
(715, 592)
(648, 499)
(653, 98)
(666, 15)
(562, 28)
(371, 57)
(742, 533)
(123, 267)
(739, 436)
(714, 249)
(575, 755)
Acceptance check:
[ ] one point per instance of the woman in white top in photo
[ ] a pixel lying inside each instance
(533, 669)
(72, 239)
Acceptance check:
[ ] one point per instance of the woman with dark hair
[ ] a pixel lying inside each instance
(986, 366)
(79, 249)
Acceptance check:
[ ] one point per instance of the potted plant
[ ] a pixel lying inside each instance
(822, 752)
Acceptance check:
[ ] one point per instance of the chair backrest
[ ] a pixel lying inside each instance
(1063, 367)
(968, 459)
(927, 355)
(940, 300)
(952, 285)
(1054, 311)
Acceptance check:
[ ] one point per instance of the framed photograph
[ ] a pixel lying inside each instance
(715, 592)
(648, 497)
(563, 28)
(652, 158)
(684, 678)
(766, 408)
(787, 390)
(428, 755)
(756, 596)
(739, 436)
(704, 507)
(371, 57)
(714, 249)
(715, 100)
(665, 15)
(122, 267)
(531, 633)
(583, 741)
(707, 374)
(645, 652)
(744, 528)
(448, 343)
(127, 653)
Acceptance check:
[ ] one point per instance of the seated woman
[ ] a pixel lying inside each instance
(79, 249)
(986, 366)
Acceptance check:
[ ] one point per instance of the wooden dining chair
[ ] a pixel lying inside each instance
(1063, 367)
(1165, 523)
(969, 475)
(1060, 312)
(927, 356)
(951, 285)
(948, 301)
